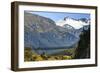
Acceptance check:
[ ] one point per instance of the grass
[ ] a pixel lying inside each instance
(30, 55)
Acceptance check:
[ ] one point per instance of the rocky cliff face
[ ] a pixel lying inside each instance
(42, 33)
(38, 23)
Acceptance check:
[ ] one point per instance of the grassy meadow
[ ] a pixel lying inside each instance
(30, 55)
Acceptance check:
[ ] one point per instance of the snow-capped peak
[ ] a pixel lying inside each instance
(77, 24)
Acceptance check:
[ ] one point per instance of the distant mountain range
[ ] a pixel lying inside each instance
(43, 34)
(74, 26)
(77, 24)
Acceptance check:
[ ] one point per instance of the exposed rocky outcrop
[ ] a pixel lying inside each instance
(41, 33)
(38, 23)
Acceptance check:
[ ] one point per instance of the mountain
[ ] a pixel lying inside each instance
(74, 26)
(43, 35)
(38, 23)
(73, 23)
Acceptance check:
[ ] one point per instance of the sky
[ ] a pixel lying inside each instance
(56, 16)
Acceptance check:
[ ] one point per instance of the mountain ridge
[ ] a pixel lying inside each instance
(75, 23)
(41, 32)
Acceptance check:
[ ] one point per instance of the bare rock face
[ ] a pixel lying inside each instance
(38, 23)
(42, 34)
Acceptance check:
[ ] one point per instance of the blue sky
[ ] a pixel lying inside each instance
(60, 15)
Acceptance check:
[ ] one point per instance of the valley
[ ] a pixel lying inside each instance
(44, 39)
(30, 55)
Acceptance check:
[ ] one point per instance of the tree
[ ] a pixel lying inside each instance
(83, 49)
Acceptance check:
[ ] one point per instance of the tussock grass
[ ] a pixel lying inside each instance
(30, 55)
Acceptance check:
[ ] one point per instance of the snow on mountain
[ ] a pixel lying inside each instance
(43, 35)
(77, 24)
